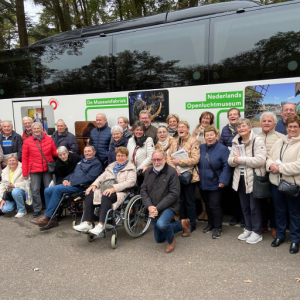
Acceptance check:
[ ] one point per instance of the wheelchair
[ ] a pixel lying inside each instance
(68, 202)
(131, 214)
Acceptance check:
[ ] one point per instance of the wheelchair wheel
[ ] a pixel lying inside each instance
(113, 241)
(90, 238)
(137, 218)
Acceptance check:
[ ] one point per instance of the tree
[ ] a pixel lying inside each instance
(21, 23)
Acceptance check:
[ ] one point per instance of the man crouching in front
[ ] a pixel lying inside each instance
(160, 193)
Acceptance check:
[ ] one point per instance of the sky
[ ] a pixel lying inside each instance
(32, 10)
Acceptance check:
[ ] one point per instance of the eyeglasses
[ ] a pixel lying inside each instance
(162, 132)
(157, 159)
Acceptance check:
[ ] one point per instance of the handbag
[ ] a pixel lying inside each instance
(50, 165)
(289, 189)
(7, 196)
(261, 184)
(186, 178)
(107, 184)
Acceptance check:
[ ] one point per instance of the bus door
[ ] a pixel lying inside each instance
(32, 108)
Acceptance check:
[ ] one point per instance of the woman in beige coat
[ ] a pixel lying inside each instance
(118, 176)
(13, 174)
(187, 194)
(284, 162)
(244, 162)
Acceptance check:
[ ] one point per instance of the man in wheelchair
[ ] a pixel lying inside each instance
(108, 190)
(87, 170)
(160, 193)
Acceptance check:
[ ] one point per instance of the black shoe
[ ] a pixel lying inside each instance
(294, 248)
(277, 242)
(217, 233)
(208, 228)
(233, 221)
(242, 223)
(37, 214)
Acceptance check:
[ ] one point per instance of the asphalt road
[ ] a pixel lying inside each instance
(70, 267)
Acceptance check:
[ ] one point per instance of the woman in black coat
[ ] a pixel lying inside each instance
(65, 164)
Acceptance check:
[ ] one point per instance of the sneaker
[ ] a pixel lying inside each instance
(217, 233)
(97, 230)
(254, 238)
(208, 228)
(244, 235)
(21, 214)
(83, 227)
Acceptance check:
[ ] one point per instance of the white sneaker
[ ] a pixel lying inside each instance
(244, 235)
(21, 214)
(97, 230)
(254, 238)
(83, 227)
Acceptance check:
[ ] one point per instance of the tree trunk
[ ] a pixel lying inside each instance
(60, 15)
(120, 9)
(85, 12)
(193, 3)
(21, 23)
(66, 13)
(77, 20)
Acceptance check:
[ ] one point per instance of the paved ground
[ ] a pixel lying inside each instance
(200, 268)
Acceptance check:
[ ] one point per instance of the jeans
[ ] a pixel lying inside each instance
(36, 179)
(187, 203)
(282, 205)
(53, 196)
(19, 197)
(213, 204)
(163, 230)
(251, 208)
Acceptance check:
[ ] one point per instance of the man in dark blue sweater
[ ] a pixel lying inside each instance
(288, 109)
(228, 134)
(100, 138)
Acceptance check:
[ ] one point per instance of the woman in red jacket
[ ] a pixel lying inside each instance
(35, 164)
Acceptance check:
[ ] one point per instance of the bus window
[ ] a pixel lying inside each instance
(254, 45)
(165, 56)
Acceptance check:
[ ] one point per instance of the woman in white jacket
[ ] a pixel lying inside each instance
(244, 163)
(13, 174)
(284, 162)
(140, 147)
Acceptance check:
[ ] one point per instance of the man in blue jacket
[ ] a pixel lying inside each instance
(228, 133)
(100, 138)
(86, 171)
(288, 109)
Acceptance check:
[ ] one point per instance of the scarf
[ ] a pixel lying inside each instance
(172, 132)
(139, 144)
(165, 143)
(232, 129)
(118, 167)
(38, 138)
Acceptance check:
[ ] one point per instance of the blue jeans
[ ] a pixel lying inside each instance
(18, 203)
(53, 195)
(282, 205)
(163, 230)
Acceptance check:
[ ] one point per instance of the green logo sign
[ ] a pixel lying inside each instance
(106, 101)
(218, 100)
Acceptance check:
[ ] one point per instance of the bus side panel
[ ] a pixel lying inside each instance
(6, 112)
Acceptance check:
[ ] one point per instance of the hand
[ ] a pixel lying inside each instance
(144, 169)
(2, 203)
(221, 185)
(25, 177)
(175, 161)
(274, 168)
(11, 186)
(91, 188)
(152, 211)
(66, 183)
(108, 192)
(178, 173)
(235, 160)
(3, 165)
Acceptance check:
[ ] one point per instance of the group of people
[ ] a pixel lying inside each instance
(223, 166)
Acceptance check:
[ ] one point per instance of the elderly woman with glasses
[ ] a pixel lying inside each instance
(38, 150)
(164, 140)
(172, 121)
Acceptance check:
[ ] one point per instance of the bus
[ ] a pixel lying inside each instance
(213, 57)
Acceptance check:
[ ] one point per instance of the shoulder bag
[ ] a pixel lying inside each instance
(261, 184)
(289, 189)
(50, 165)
